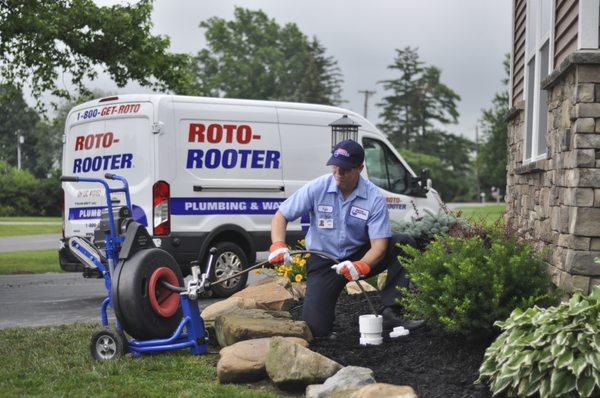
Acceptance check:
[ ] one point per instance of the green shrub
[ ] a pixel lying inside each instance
(548, 352)
(24, 195)
(463, 284)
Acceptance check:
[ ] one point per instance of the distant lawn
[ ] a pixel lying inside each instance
(488, 213)
(36, 262)
(42, 219)
(20, 230)
(55, 361)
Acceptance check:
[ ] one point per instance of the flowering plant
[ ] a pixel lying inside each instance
(296, 272)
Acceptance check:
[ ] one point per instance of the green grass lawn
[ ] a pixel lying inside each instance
(37, 262)
(20, 230)
(37, 219)
(56, 361)
(488, 213)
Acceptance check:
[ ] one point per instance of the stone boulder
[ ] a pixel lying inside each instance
(352, 287)
(271, 293)
(383, 390)
(349, 378)
(381, 278)
(244, 362)
(299, 290)
(239, 325)
(292, 367)
(210, 313)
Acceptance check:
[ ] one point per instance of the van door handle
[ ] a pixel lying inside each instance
(203, 188)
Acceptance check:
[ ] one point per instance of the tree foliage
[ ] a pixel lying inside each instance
(254, 57)
(40, 39)
(416, 100)
(492, 157)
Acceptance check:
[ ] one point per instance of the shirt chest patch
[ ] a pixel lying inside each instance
(359, 213)
(325, 209)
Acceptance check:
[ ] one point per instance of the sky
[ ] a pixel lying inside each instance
(466, 39)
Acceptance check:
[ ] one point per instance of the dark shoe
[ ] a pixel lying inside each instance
(331, 336)
(392, 319)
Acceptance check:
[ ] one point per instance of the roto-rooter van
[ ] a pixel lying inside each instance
(211, 172)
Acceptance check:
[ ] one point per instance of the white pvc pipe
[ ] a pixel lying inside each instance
(370, 327)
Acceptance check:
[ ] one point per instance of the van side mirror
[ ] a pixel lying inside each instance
(419, 186)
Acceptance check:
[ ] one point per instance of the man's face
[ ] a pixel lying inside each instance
(346, 179)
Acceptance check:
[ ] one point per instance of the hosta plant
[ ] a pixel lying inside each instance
(550, 352)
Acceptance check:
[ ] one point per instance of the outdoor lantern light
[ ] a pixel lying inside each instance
(344, 129)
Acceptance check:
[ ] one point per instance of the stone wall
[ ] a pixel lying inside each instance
(555, 202)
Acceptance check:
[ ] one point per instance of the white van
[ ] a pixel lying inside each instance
(213, 171)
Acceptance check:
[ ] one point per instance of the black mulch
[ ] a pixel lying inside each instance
(434, 365)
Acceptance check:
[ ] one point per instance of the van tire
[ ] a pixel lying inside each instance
(229, 259)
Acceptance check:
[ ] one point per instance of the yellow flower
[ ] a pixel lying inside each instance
(257, 272)
(298, 278)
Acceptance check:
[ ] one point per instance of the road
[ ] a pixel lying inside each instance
(58, 298)
(29, 242)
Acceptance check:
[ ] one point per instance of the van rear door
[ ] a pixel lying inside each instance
(107, 138)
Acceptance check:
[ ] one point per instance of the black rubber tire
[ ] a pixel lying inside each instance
(108, 344)
(227, 289)
(131, 300)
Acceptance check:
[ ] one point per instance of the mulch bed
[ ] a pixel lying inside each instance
(434, 365)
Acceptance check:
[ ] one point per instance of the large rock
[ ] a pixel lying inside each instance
(344, 380)
(381, 278)
(291, 366)
(383, 390)
(245, 361)
(299, 290)
(353, 288)
(211, 312)
(270, 294)
(240, 325)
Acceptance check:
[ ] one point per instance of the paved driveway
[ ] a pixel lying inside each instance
(58, 298)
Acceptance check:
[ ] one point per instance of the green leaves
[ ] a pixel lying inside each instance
(39, 39)
(254, 57)
(465, 284)
(550, 351)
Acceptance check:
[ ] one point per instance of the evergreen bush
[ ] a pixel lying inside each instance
(463, 284)
(548, 352)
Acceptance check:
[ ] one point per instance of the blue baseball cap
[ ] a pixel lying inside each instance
(347, 154)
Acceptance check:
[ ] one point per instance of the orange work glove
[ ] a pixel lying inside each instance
(352, 270)
(279, 254)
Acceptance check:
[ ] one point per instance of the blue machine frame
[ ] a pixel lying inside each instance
(195, 336)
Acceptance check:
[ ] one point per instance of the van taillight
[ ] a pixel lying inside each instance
(62, 210)
(160, 202)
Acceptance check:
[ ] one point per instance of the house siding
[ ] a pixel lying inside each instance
(518, 67)
(566, 17)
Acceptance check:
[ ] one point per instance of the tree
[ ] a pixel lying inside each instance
(253, 57)
(16, 119)
(492, 157)
(416, 100)
(41, 38)
(449, 159)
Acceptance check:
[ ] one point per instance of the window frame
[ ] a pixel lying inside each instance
(533, 51)
(387, 150)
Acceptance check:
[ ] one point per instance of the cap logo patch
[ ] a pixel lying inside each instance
(341, 152)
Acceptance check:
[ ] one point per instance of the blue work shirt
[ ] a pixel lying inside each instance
(339, 226)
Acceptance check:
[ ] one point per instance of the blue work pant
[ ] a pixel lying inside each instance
(324, 285)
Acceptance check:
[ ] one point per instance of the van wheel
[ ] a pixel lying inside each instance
(228, 260)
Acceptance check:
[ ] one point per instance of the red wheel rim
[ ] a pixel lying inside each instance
(163, 301)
